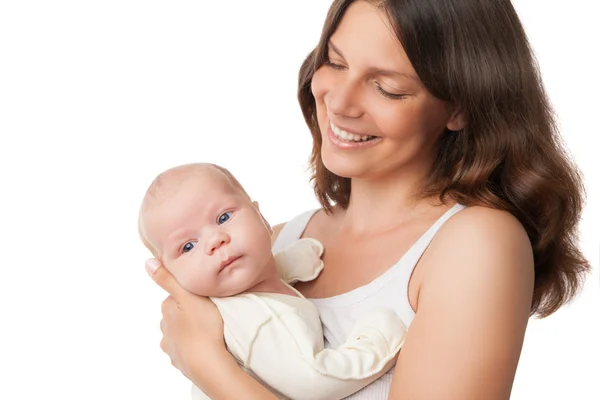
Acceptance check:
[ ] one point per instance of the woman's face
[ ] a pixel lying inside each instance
(375, 116)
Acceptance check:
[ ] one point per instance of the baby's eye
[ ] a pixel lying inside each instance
(188, 247)
(224, 217)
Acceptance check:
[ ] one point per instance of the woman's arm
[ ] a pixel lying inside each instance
(193, 338)
(473, 306)
(226, 380)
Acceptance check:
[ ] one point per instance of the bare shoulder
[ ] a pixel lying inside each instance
(473, 307)
(318, 220)
(479, 245)
(276, 230)
(322, 223)
(485, 219)
(480, 232)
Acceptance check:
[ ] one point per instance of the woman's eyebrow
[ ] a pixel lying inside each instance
(394, 74)
(334, 48)
(378, 71)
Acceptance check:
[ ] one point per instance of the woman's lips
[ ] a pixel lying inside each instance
(345, 144)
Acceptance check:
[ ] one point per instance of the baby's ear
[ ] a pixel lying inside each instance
(255, 204)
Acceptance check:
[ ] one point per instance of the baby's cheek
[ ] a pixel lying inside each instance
(197, 284)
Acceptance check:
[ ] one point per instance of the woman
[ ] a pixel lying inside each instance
(446, 196)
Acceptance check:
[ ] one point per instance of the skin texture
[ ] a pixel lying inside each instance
(348, 93)
(195, 345)
(472, 288)
(209, 234)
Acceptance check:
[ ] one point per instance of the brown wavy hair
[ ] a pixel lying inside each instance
(475, 55)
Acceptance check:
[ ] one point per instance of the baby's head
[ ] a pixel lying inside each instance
(201, 224)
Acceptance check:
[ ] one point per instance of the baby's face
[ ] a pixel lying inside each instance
(210, 236)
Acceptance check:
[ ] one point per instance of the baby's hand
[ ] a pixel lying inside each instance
(300, 261)
(383, 327)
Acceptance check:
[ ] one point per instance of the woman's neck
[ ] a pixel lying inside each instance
(377, 206)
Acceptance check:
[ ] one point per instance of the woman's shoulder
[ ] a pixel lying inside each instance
(311, 222)
(482, 224)
(480, 240)
(483, 219)
(276, 231)
(473, 301)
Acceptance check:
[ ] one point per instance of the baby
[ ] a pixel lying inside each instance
(200, 223)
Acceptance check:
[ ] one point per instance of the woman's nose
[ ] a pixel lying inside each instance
(343, 99)
(215, 241)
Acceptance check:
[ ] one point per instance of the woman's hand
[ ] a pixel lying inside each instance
(192, 327)
(192, 330)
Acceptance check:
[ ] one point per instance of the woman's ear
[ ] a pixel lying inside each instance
(457, 120)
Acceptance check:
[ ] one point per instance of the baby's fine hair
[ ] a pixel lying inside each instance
(171, 178)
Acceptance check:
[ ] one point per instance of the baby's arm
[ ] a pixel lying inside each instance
(289, 356)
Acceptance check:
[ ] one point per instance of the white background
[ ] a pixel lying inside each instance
(97, 97)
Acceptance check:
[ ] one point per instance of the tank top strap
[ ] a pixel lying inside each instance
(419, 247)
(293, 230)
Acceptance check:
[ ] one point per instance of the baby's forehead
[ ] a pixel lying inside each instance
(199, 174)
(205, 182)
(201, 184)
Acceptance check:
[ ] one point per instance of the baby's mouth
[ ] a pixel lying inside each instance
(227, 262)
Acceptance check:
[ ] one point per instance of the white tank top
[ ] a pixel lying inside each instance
(340, 313)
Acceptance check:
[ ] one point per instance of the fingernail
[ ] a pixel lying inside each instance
(152, 265)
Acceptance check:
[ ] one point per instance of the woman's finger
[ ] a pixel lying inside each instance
(164, 279)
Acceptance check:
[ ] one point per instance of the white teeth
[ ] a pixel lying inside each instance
(350, 137)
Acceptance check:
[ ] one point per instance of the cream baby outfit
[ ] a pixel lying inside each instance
(339, 314)
(278, 338)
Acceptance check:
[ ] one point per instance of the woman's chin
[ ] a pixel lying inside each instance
(343, 167)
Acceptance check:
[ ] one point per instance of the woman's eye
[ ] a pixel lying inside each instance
(188, 247)
(390, 95)
(224, 217)
(333, 65)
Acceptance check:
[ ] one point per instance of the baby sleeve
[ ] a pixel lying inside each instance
(290, 358)
(300, 261)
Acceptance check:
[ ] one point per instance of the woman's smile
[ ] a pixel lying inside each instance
(344, 139)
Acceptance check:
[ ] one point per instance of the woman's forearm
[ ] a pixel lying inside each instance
(228, 381)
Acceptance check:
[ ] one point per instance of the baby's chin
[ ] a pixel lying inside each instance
(240, 278)
(221, 291)
(232, 290)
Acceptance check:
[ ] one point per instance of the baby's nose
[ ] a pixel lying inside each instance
(215, 242)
